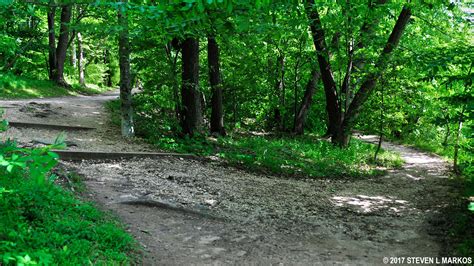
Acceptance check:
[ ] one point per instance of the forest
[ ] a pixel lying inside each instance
(197, 132)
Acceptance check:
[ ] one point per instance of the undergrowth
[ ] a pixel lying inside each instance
(42, 223)
(288, 155)
(461, 221)
(16, 87)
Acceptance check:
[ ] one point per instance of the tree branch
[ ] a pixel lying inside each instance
(371, 80)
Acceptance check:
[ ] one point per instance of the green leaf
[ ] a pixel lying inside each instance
(471, 206)
(200, 6)
(53, 155)
(3, 125)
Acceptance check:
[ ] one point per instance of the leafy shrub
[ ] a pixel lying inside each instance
(41, 223)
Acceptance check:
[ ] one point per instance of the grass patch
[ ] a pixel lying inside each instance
(42, 223)
(49, 225)
(300, 156)
(15, 87)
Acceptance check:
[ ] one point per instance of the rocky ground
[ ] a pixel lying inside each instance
(185, 211)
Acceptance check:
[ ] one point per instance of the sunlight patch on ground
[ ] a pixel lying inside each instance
(367, 204)
(117, 166)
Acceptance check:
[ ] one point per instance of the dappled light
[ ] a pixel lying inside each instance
(369, 204)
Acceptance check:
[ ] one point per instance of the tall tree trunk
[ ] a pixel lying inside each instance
(217, 112)
(51, 43)
(81, 60)
(191, 115)
(343, 133)
(300, 116)
(340, 124)
(125, 77)
(330, 89)
(61, 49)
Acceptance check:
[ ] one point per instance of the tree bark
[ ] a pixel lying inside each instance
(217, 112)
(341, 123)
(356, 62)
(61, 49)
(125, 77)
(300, 116)
(51, 43)
(342, 136)
(330, 89)
(81, 59)
(191, 114)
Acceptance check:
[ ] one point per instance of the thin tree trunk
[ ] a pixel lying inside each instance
(172, 62)
(342, 135)
(346, 83)
(366, 33)
(51, 43)
(456, 145)
(279, 90)
(177, 98)
(382, 117)
(191, 118)
(282, 95)
(73, 55)
(81, 60)
(108, 72)
(446, 136)
(217, 112)
(300, 116)
(125, 77)
(295, 88)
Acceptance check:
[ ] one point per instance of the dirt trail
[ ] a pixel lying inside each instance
(187, 212)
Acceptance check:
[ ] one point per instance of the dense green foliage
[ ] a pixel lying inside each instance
(24, 45)
(266, 57)
(42, 223)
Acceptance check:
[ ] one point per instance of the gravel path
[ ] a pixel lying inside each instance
(187, 212)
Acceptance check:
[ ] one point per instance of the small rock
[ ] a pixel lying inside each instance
(208, 239)
(241, 253)
(218, 250)
(128, 197)
(211, 202)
